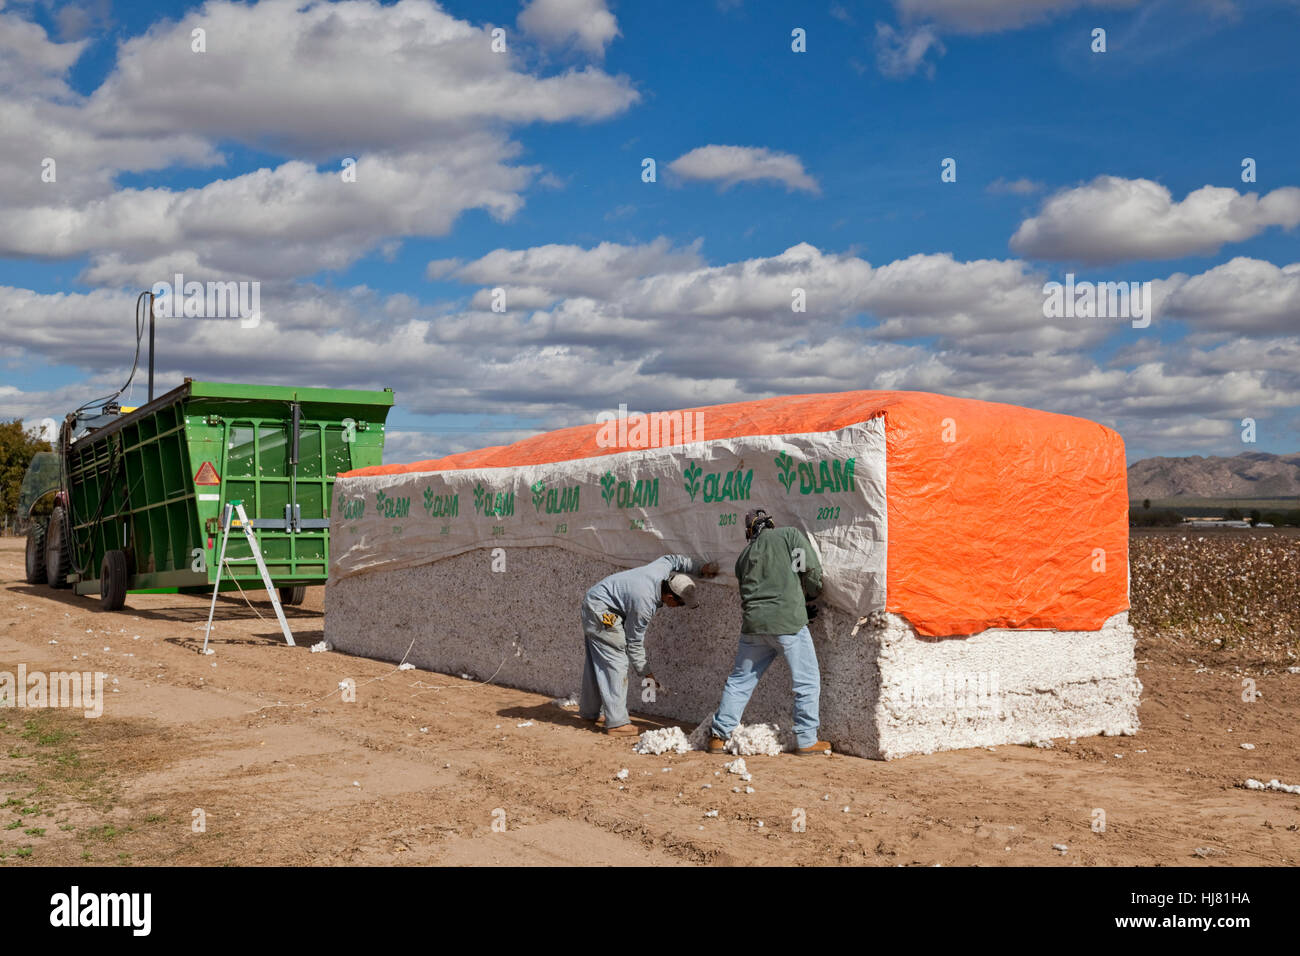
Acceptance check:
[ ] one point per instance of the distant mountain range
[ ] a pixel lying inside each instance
(1249, 475)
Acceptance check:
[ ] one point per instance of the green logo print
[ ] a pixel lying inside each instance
(440, 506)
(387, 507)
(557, 500)
(629, 493)
(730, 485)
(354, 508)
(826, 477)
(501, 505)
(553, 501)
(817, 476)
(691, 479)
(785, 464)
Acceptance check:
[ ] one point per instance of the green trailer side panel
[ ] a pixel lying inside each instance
(134, 484)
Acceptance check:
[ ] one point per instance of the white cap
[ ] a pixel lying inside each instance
(682, 586)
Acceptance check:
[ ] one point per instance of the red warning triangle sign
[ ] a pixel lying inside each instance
(207, 475)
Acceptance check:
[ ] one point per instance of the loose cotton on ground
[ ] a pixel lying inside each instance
(665, 740)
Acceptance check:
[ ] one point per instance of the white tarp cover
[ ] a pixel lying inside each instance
(632, 507)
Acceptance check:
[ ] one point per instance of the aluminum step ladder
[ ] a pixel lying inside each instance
(227, 519)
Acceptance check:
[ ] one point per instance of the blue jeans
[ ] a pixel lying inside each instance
(754, 655)
(604, 675)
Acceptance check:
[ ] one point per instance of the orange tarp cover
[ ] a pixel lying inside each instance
(998, 516)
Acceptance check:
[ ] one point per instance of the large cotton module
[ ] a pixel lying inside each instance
(975, 556)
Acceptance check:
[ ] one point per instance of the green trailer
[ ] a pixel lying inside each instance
(141, 492)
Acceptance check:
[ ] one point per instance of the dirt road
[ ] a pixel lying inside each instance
(281, 770)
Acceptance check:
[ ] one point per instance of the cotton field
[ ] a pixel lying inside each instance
(1230, 593)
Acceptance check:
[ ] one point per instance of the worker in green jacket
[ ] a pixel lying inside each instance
(779, 575)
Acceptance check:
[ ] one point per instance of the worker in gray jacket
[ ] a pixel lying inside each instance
(615, 615)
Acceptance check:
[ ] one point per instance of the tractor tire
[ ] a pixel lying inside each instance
(36, 552)
(112, 581)
(293, 596)
(58, 561)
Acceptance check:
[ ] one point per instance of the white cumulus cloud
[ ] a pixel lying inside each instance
(654, 326)
(587, 24)
(730, 165)
(1112, 219)
(413, 94)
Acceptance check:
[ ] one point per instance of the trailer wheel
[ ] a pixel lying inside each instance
(36, 552)
(293, 596)
(57, 560)
(112, 581)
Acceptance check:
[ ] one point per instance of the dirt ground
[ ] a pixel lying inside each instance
(421, 766)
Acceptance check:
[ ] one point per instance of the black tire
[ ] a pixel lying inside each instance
(58, 562)
(112, 581)
(36, 552)
(293, 596)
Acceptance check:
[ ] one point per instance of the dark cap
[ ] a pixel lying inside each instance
(756, 521)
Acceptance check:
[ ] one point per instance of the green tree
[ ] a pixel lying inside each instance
(1254, 517)
(17, 449)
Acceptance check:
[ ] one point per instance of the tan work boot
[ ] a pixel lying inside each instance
(623, 730)
(716, 745)
(820, 747)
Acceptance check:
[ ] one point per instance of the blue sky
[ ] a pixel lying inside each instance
(776, 169)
